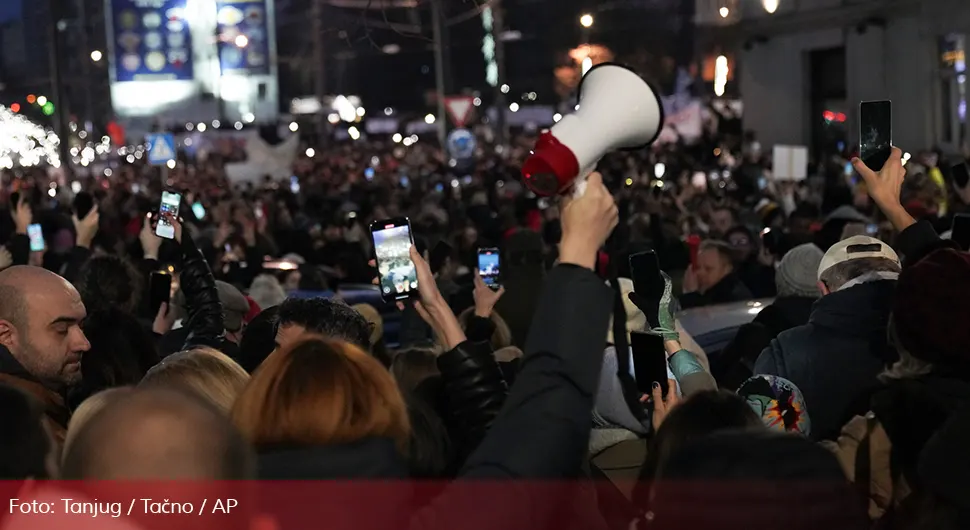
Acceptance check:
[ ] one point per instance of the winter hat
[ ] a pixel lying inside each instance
(796, 274)
(778, 402)
(930, 309)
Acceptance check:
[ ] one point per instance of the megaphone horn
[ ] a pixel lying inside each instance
(618, 110)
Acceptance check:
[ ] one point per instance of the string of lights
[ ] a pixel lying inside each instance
(24, 143)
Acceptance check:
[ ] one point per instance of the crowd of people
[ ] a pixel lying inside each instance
(842, 404)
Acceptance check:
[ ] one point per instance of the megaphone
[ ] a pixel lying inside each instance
(618, 110)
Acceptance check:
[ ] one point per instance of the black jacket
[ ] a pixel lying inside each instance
(736, 362)
(835, 358)
(203, 326)
(541, 432)
(729, 289)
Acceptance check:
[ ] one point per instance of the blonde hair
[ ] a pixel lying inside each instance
(412, 366)
(501, 337)
(88, 409)
(321, 392)
(204, 372)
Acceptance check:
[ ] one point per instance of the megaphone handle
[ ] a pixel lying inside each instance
(579, 188)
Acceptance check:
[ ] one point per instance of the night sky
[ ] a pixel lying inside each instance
(9, 9)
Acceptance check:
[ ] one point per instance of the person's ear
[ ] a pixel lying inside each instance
(823, 288)
(8, 334)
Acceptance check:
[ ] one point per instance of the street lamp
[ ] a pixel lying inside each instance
(96, 55)
(586, 20)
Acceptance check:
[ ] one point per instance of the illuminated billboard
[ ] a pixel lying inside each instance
(151, 40)
(187, 61)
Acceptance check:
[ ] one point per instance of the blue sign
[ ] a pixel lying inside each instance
(243, 37)
(461, 144)
(151, 40)
(161, 148)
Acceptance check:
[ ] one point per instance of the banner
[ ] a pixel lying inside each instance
(151, 40)
(237, 55)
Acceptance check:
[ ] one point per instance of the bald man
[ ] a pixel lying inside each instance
(158, 434)
(41, 342)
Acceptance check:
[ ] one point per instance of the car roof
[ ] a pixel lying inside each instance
(701, 320)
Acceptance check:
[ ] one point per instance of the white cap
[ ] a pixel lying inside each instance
(856, 247)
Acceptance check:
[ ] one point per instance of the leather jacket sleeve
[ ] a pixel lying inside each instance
(204, 321)
(474, 391)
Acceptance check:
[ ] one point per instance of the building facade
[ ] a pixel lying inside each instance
(804, 68)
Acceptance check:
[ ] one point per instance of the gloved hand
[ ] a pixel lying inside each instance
(659, 313)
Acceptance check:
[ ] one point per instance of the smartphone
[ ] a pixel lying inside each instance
(771, 240)
(875, 133)
(488, 267)
(872, 229)
(648, 283)
(83, 204)
(369, 173)
(159, 290)
(36, 235)
(198, 210)
(961, 175)
(649, 361)
(294, 184)
(168, 207)
(961, 230)
(396, 274)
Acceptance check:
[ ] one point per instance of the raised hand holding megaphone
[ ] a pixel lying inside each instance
(617, 110)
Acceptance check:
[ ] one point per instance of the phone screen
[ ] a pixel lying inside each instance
(961, 175)
(392, 247)
(83, 203)
(647, 282)
(961, 231)
(875, 133)
(488, 266)
(369, 173)
(160, 290)
(198, 210)
(36, 235)
(649, 361)
(168, 207)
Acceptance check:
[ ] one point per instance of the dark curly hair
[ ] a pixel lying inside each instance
(109, 281)
(327, 317)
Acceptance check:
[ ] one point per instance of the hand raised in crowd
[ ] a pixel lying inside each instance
(661, 407)
(22, 215)
(885, 187)
(164, 320)
(432, 306)
(587, 222)
(87, 227)
(150, 243)
(485, 297)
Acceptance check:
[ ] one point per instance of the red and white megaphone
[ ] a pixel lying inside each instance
(617, 110)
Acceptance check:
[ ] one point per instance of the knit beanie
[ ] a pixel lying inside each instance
(797, 272)
(930, 308)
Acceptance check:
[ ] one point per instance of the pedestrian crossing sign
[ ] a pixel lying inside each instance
(161, 148)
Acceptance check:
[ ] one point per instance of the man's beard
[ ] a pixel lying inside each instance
(49, 376)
